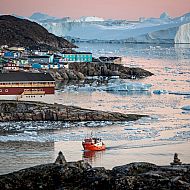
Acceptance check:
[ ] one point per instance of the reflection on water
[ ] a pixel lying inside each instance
(93, 156)
(18, 155)
(131, 93)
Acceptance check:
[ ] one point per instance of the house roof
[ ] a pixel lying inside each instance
(24, 76)
(57, 56)
(38, 56)
(77, 53)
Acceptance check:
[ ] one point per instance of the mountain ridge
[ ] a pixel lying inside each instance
(22, 32)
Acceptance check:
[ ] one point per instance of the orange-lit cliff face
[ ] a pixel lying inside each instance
(120, 9)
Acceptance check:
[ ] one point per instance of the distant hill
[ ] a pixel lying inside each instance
(20, 32)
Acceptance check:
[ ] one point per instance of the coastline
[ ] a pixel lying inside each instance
(81, 175)
(36, 111)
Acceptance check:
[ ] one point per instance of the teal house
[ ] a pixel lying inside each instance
(77, 57)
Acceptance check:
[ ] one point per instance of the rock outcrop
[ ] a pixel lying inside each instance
(81, 176)
(24, 33)
(108, 69)
(79, 71)
(35, 111)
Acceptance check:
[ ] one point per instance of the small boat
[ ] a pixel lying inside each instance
(93, 144)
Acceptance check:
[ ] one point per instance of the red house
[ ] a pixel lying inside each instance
(26, 86)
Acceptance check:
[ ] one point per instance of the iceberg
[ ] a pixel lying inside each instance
(91, 19)
(187, 108)
(160, 92)
(183, 34)
(41, 16)
(113, 86)
(94, 29)
(128, 87)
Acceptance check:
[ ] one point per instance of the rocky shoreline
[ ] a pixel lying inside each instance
(81, 176)
(36, 111)
(78, 71)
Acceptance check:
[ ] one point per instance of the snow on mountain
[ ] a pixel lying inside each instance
(93, 29)
(183, 34)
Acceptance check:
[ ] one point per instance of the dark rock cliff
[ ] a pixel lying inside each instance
(20, 32)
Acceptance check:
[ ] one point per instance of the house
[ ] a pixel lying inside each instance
(27, 86)
(77, 56)
(11, 67)
(40, 53)
(40, 59)
(11, 54)
(1, 53)
(16, 48)
(22, 61)
(58, 59)
(46, 66)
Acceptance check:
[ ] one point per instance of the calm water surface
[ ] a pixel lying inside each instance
(154, 139)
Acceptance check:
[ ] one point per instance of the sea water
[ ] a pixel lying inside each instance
(154, 138)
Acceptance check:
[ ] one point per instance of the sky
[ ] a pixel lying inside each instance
(116, 9)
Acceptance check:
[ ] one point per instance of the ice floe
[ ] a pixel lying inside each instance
(187, 108)
(114, 85)
(160, 92)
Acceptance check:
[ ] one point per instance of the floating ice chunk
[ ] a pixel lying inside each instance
(128, 87)
(32, 133)
(154, 117)
(160, 91)
(130, 128)
(187, 108)
(120, 107)
(185, 112)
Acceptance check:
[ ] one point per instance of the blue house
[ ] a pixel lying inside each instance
(11, 54)
(77, 57)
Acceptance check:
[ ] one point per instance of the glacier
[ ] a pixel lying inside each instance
(183, 34)
(94, 29)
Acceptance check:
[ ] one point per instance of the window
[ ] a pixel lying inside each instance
(0, 90)
(6, 90)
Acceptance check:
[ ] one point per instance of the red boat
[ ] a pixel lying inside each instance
(93, 144)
